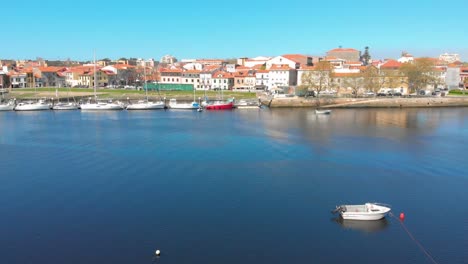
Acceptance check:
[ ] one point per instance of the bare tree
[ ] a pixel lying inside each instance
(420, 73)
(318, 78)
(354, 81)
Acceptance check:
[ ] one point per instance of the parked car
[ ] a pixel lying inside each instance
(381, 94)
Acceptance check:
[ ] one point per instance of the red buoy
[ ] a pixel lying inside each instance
(402, 216)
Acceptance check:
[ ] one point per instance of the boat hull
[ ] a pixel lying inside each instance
(219, 106)
(32, 107)
(366, 212)
(101, 107)
(70, 106)
(323, 112)
(145, 106)
(7, 107)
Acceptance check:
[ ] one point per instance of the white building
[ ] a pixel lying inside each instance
(405, 57)
(450, 58)
(193, 66)
(262, 79)
(145, 63)
(252, 62)
(294, 61)
(168, 59)
(282, 75)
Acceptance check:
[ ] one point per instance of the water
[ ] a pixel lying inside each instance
(231, 187)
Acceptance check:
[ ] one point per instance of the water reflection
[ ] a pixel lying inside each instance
(392, 124)
(363, 226)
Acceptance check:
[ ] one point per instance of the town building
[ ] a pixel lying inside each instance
(191, 77)
(222, 80)
(262, 79)
(282, 75)
(449, 57)
(346, 54)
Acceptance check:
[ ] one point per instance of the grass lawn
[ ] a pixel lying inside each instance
(122, 93)
(458, 92)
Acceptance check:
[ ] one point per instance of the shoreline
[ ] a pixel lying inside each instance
(397, 102)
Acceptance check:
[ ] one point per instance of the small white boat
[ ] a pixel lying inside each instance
(146, 105)
(368, 211)
(7, 106)
(65, 106)
(189, 106)
(322, 112)
(33, 106)
(101, 106)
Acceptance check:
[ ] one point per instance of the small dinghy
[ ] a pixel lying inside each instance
(368, 211)
(322, 112)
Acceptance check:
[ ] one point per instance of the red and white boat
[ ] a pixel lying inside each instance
(219, 106)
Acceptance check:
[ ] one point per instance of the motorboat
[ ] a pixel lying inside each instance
(189, 106)
(66, 106)
(367, 211)
(33, 106)
(219, 105)
(146, 105)
(7, 106)
(322, 112)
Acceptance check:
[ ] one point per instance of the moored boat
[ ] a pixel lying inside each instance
(173, 104)
(368, 211)
(65, 106)
(7, 106)
(101, 105)
(146, 105)
(33, 106)
(219, 106)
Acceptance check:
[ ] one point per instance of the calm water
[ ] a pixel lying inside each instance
(231, 187)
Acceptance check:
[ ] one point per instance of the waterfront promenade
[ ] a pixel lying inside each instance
(374, 102)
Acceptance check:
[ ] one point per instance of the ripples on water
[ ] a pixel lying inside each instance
(231, 187)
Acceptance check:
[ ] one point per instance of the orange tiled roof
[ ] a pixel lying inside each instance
(280, 67)
(298, 58)
(391, 64)
(222, 74)
(346, 74)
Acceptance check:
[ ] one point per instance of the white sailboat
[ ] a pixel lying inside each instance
(146, 104)
(189, 106)
(6, 105)
(99, 105)
(41, 104)
(64, 105)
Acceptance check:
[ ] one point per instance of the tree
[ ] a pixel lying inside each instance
(373, 79)
(365, 58)
(355, 82)
(319, 78)
(420, 73)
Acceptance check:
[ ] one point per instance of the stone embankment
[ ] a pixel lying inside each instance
(395, 102)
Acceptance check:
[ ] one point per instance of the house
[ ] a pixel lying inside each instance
(449, 58)
(206, 76)
(53, 76)
(346, 54)
(464, 77)
(244, 80)
(294, 61)
(4, 78)
(282, 75)
(262, 79)
(222, 80)
(191, 77)
(87, 78)
(172, 75)
(18, 79)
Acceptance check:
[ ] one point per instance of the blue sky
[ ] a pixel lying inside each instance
(216, 29)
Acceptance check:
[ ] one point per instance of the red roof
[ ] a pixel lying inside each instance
(222, 74)
(298, 58)
(391, 64)
(280, 67)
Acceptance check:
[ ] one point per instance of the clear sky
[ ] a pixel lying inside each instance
(225, 29)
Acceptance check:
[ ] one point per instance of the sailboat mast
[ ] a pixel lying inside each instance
(95, 76)
(144, 84)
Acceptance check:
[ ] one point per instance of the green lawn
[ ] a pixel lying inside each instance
(458, 92)
(122, 93)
